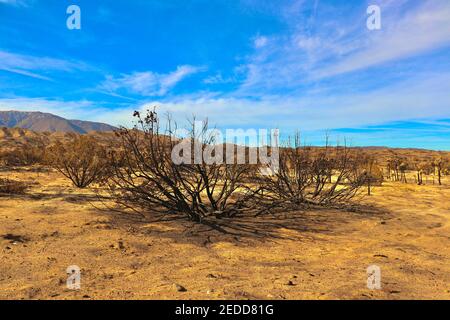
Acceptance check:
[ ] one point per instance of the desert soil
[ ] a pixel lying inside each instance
(319, 254)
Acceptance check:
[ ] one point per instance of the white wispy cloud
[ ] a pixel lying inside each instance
(410, 99)
(423, 29)
(309, 54)
(149, 83)
(34, 66)
(218, 78)
(13, 2)
(260, 41)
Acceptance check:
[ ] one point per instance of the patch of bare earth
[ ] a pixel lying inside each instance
(320, 254)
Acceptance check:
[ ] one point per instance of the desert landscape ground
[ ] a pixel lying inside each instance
(315, 254)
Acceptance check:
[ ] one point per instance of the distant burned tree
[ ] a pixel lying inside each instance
(309, 176)
(82, 160)
(369, 171)
(421, 167)
(403, 167)
(397, 167)
(146, 177)
(417, 165)
(440, 164)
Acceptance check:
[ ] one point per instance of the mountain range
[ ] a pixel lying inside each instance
(47, 122)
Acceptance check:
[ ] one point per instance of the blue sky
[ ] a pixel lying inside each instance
(310, 65)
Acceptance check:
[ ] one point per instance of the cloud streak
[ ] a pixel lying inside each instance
(36, 67)
(424, 29)
(307, 55)
(149, 83)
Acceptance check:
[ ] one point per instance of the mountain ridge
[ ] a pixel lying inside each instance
(48, 122)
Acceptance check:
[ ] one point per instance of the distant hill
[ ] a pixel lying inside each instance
(13, 138)
(47, 122)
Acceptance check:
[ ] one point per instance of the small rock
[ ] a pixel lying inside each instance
(179, 288)
(289, 283)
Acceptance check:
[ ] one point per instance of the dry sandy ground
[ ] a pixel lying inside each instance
(321, 254)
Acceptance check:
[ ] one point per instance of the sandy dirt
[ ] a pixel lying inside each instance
(320, 254)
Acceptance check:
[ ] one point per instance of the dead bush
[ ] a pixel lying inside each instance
(26, 155)
(82, 160)
(146, 178)
(441, 166)
(309, 176)
(8, 186)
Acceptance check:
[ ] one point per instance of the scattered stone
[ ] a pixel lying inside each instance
(179, 288)
(211, 276)
(380, 256)
(14, 238)
(33, 292)
(121, 246)
(289, 283)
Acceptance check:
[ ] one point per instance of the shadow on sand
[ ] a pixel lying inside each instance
(293, 225)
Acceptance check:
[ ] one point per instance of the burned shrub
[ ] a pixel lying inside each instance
(82, 160)
(9, 187)
(146, 177)
(308, 176)
(25, 155)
